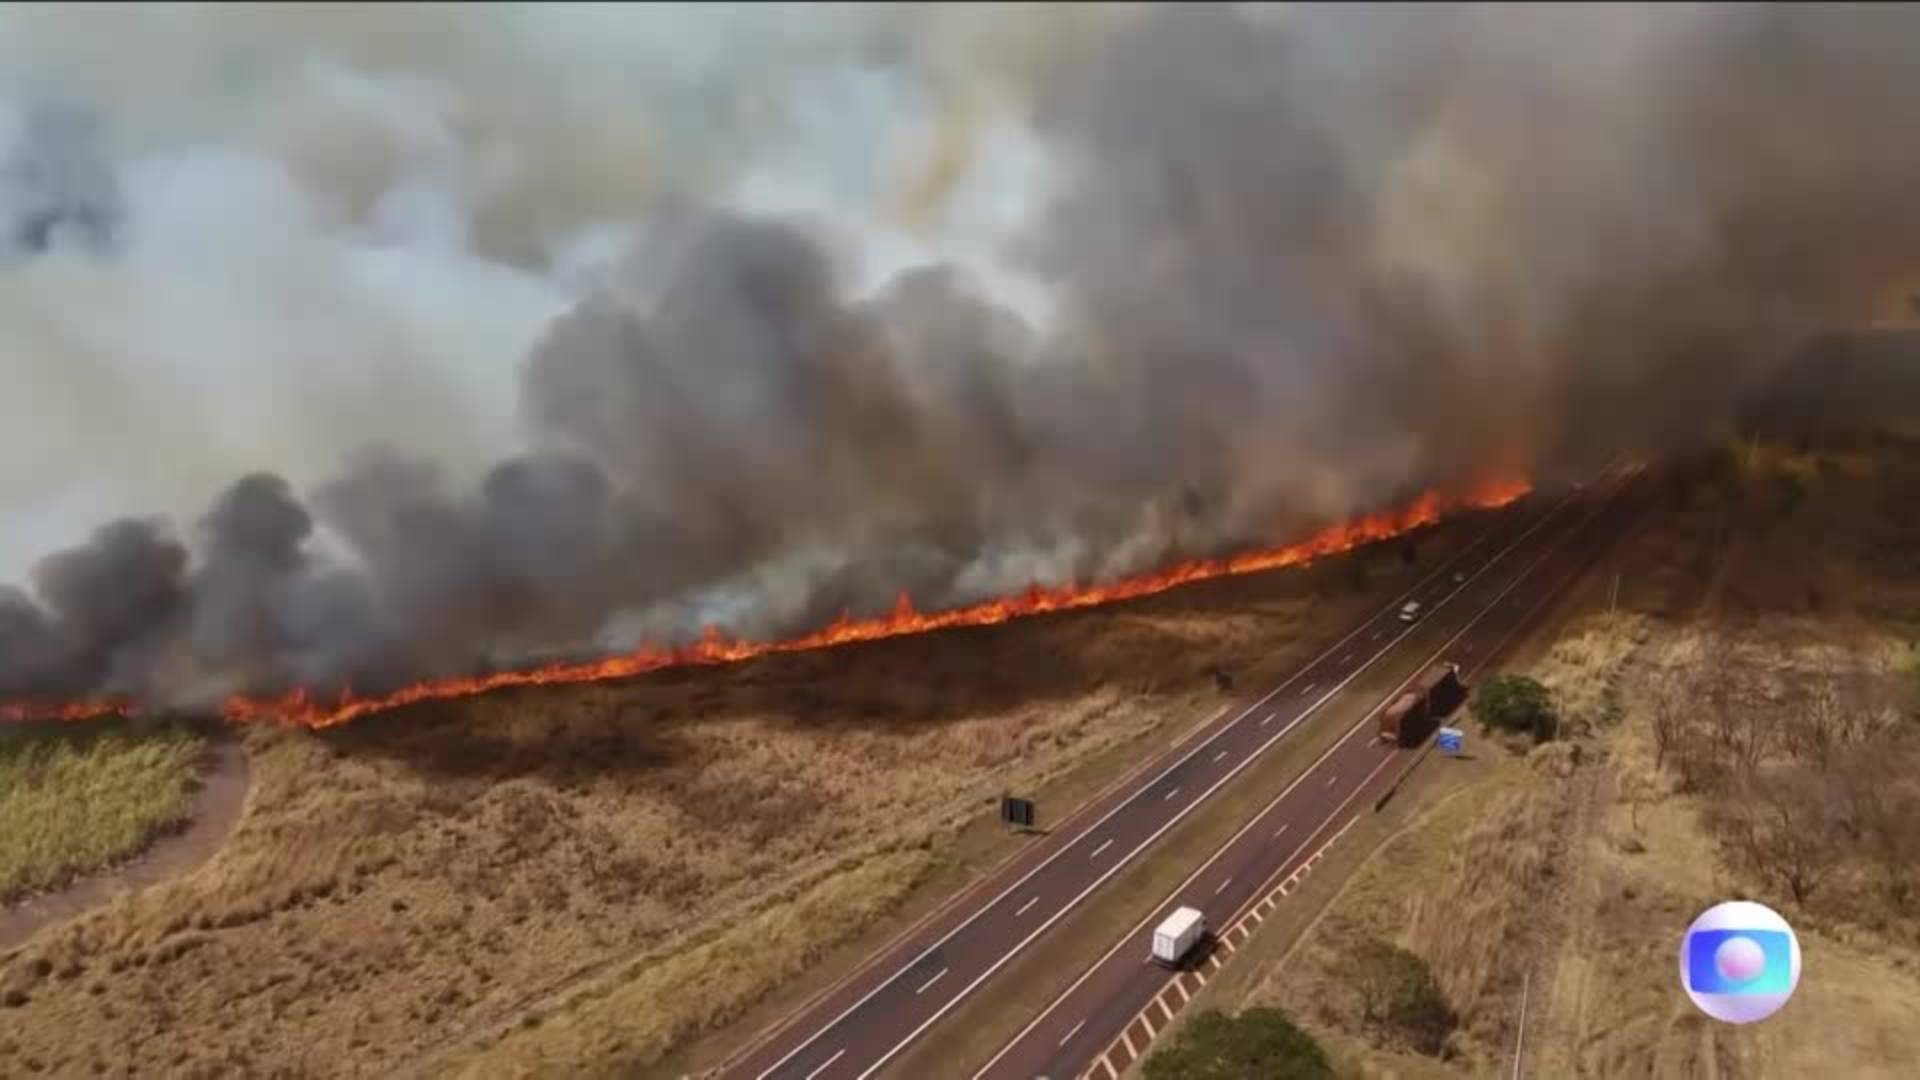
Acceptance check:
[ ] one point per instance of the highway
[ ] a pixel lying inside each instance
(856, 1028)
(1112, 1011)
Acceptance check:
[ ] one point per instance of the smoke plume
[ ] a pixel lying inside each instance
(546, 329)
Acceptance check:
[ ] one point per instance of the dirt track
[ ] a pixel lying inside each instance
(216, 807)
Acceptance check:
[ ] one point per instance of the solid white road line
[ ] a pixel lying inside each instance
(1075, 1031)
(930, 982)
(1164, 1011)
(1025, 906)
(1103, 846)
(1351, 732)
(829, 1063)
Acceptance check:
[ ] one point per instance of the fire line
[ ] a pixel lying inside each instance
(301, 707)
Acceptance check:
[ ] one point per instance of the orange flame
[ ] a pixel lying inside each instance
(302, 707)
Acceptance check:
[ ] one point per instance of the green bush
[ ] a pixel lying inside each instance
(1399, 997)
(1260, 1042)
(1518, 704)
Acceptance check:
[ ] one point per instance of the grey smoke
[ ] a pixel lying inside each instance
(1297, 265)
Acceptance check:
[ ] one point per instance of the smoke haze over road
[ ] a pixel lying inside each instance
(386, 339)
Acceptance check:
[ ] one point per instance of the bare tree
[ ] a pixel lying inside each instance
(1784, 826)
(1667, 712)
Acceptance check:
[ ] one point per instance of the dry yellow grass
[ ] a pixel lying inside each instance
(73, 803)
(402, 893)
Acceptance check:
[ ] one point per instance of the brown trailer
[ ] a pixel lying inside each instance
(1412, 716)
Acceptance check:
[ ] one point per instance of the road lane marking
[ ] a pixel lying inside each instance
(829, 1063)
(1347, 659)
(1170, 795)
(1075, 1031)
(1104, 846)
(1025, 906)
(1277, 832)
(1308, 689)
(1576, 530)
(1218, 756)
(1112, 1073)
(1148, 1024)
(930, 982)
(1269, 719)
(1164, 1011)
(1124, 1037)
(1181, 985)
(1223, 887)
(1332, 779)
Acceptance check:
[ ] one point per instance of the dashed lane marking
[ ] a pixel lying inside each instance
(1076, 1030)
(930, 982)
(1025, 906)
(1169, 795)
(829, 1062)
(1223, 887)
(1104, 845)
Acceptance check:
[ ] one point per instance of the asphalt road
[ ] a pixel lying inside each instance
(857, 1027)
(1110, 1014)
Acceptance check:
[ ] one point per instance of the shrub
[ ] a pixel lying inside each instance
(1259, 1042)
(1399, 997)
(1518, 704)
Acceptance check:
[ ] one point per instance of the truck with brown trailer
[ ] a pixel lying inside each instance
(1413, 715)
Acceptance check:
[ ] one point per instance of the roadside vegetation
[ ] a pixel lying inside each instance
(1516, 705)
(73, 802)
(1258, 1042)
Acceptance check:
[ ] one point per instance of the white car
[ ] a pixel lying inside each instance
(1410, 612)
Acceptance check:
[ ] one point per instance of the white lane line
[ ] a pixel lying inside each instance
(1277, 832)
(1332, 779)
(1025, 906)
(829, 1062)
(1199, 976)
(1075, 1031)
(1223, 887)
(1330, 751)
(1347, 659)
(1393, 605)
(1104, 846)
(930, 982)
(1217, 757)
(1125, 1037)
(1169, 795)
(1181, 985)
(1112, 1073)
(1269, 719)
(1308, 689)
(1164, 1011)
(1147, 1023)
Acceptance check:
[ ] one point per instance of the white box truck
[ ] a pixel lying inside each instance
(1178, 935)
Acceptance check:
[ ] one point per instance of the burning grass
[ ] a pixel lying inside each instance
(402, 895)
(72, 802)
(302, 707)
